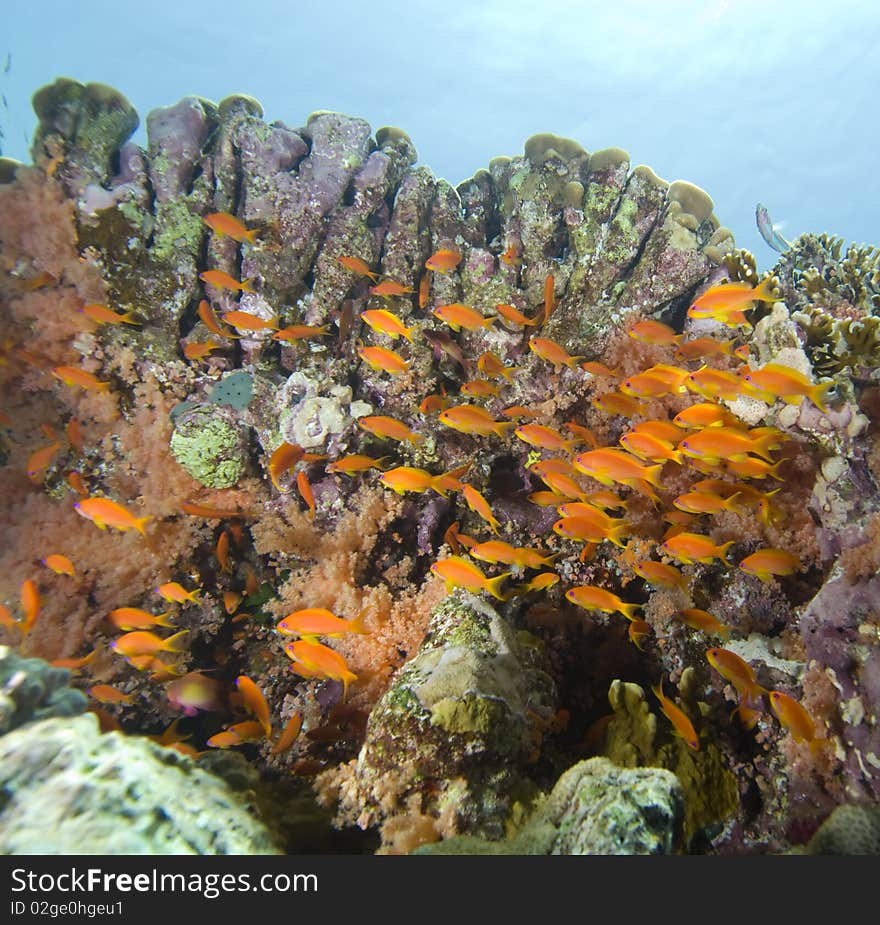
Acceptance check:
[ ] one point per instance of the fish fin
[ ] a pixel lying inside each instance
(141, 522)
(818, 395)
(501, 427)
(629, 610)
(247, 285)
(175, 643)
(493, 586)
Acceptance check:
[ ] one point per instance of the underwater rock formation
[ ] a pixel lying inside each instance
(32, 690)
(296, 373)
(73, 790)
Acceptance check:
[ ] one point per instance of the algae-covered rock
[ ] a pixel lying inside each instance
(68, 789)
(850, 829)
(457, 726)
(32, 690)
(596, 807)
(211, 445)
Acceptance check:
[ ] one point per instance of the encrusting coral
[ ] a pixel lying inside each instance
(265, 386)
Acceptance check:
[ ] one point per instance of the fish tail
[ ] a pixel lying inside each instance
(502, 427)
(819, 393)
(571, 362)
(141, 522)
(774, 474)
(728, 505)
(128, 318)
(766, 291)
(616, 533)
(175, 643)
(493, 586)
(722, 550)
(629, 610)
(357, 624)
(408, 332)
(763, 447)
(251, 236)
(676, 456)
(651, 475)
(165, 619)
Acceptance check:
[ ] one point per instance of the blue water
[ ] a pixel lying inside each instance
(751, 99)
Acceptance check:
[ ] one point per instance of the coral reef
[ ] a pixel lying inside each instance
(32, 690)
(187, 348)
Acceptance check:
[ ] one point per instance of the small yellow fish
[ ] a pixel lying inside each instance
(459, 573)
(106, 513)
(175, 592)
(479, 505)
(471, 419)
(226, 225)
(694, 547)
(444, 260)
(387, 323)
(459, 316)
(767, 562)
(553, 353)
(592, 597)
(383, 360)
(382, 426)
(683, 726)
(221, 280)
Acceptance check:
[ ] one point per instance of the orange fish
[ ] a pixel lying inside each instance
(100, 314)
(592, 527)
(224, 739)
(289, 734)
(226, 225)
(490, 364)
(615, 403)
(738, 672)
(649, 331)
(583, 433)
(794, 718)
(702, 620)
(322, 661)
(479, 505)
(479, 388)
(661, 574)
(547, 498)
(647, 446)
(142, 642)
(231, 600)
(545, 437)
(104, 693)
(356, 462)
(545, 466)
(106, 513)
(30, 605)
(175, 592)
(751, 468)
(683, 726)
(221, 280)
(73, 375)
(383, 360)
(305, 491)
(359, 266)
(637, 630)
(75, 480)
(254, 702)
(539, 583)
(382, 426)
(459, 316)
(247, 321)
(408, 478)
(553, 353)
(550, 299)
(704, 347)
(133, 618)
(74, 433)
(592, 597)
(608, 465)
(471, 419)
(295, 332)
(316, 621)
(197, 351)
(59, 564)
(443, 261)
(389, 287)
(41, 280)
(424, 289)
(694, 547)
(208, 511)
(221, 551)
(73, 664)
(646, 385)
(511, 255)
(511, 313)
(715, 383)
(775, 380)
(599, 369)
(767, 562)
(703, 415)
(716, 443)
(563, 484)
(497, 551)
(40, 460)
(7, 620)
(704, 502)
(459, 573)
(726, 303)
(283, 458)
(212, 322)
(194, 691)
(387, 323)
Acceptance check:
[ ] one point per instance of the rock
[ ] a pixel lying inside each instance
(32, 690)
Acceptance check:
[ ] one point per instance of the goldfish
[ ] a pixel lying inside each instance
(700, 347)
(295, 332)
(703, 415)
(480, 388)
(608, 465)
(133, 618)
(738, 672)
(7, 620)
(459, 573)
(289, 734)
(284, 457)
(794, 718)
(442, 343)
(592, 597)
(104, 693)
(491, 365)
(726, 303)
(661, 574)
(359, 266)
(247, 321)
(73, 375)
(382, 426)
(519, 412)
(199, 350)
(584, 434)
(424, 289)
(647, 446)
(408, 478)
(434, 403)
(73, 664)
(231, 600)
(645, 385)
(40, 460)
(226, 225)
(254, 702)
(592, 527)
(194, 691)
(545, 437)
(443, 261)
(616, 403)
(221, 551)
(606, 500)
(547, 498)
(212, 322)
(751, 468)
(220, 280)
(30, 605)
(387, 323)
(683, 726)
(550, 299)
(59, 564)
(383, 360)
(767, 562)
(207, 510)
(471, 419)
(694, 547)
(106, 513)
(356, 462)
(702, 620)
(74, 432)
(479, 505)
(389, 287)
(456, 540)
(563, 484)
(714, 383)
(322, 661)
(496, 551)
(704, 502)
(143, 642)
(649, 331)
(317, 621)
(544, 467)
(637, 630)
(100, 314)
(539, 583)
(174, 591)
(553, 353)
(226, 738)
(775, 380)
(716, 443)
(459, 316)
(511, 255)
(306, 493)
(511, 313)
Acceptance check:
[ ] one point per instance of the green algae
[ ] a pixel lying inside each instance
(209, 447)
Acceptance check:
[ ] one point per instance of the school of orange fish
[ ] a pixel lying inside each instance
(589, 485)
